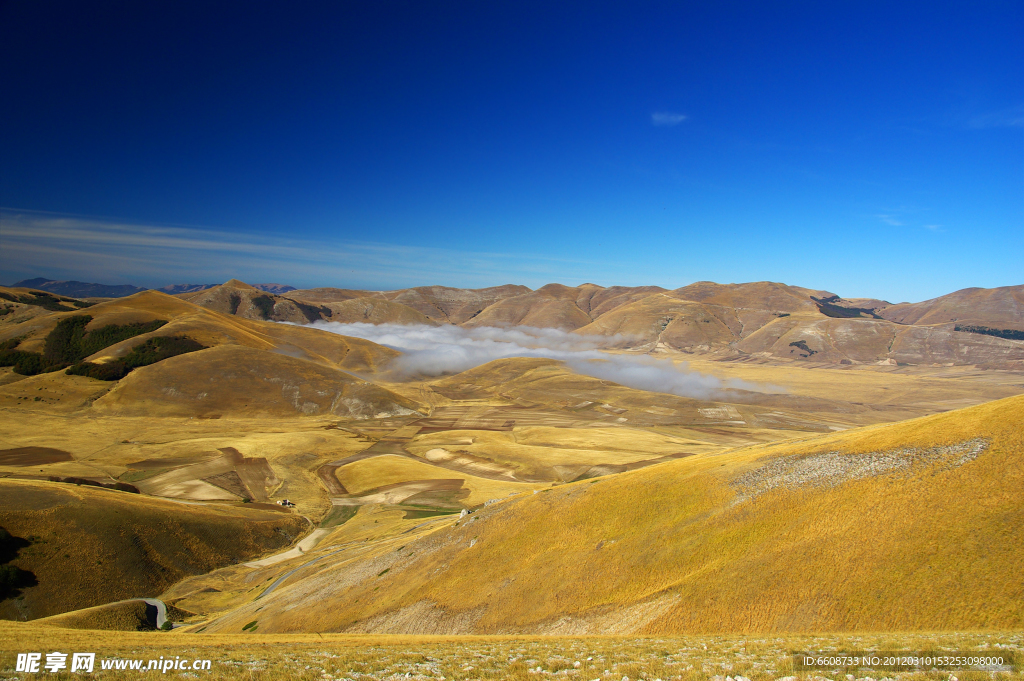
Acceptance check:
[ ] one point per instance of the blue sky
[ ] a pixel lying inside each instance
(871, 149)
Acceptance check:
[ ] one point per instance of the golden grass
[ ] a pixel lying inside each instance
(917, 390)
(538, 460)
(368, 474)
(627, 440)
(332, 656)
(128, 616)
(939, 549)
(91, 546)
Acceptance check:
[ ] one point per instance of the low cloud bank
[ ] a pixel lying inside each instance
(438, 350)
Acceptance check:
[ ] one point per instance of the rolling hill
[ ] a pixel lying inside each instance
(248, 365)
(594, 507)
(904, 527)
(758, 321)
(88, 546)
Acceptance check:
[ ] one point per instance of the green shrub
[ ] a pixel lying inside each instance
(160, 348)
(69, 343)
(802, 345)
(144, 354)
(265, 304)
(1009, 334)
(39, 299)
(110, 371)
(826, 307)
(24, 363)
(63, 344)
(111, 334)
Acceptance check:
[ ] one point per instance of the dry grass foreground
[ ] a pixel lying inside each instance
(333, 657)
(681, 548)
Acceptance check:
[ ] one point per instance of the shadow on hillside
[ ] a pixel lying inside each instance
(12, 578)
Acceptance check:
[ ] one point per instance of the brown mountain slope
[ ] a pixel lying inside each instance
(373, 310)
(679, 324)
(88, 546)
(816, 338)
(551, 306)
(858, 531)
(558, 306)
(328, 294)
(453, 305)
(754, 324)
(238, 298)
(759, 295)
(1001, 308)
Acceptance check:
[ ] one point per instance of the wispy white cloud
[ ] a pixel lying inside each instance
(890, 220)
(439, 350)
(1012, 117)
(69, 247)
(667, 118)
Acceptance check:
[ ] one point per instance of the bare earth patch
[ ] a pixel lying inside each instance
(33, 456)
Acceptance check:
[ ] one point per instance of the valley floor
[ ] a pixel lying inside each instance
(310, 657)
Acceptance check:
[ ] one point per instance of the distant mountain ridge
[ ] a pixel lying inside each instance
(79, 289)
(83, 289)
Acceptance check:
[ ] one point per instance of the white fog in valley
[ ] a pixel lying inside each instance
(439, 350)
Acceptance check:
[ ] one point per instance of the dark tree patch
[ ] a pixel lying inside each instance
(152, 351)
(1009, 334)
(265, 304)
(802, 345)
(69, 343)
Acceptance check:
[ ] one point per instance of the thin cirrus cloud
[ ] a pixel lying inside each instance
(439, 350)
(71, 247)
(890, 220)
(1012, 117)
(667, 118)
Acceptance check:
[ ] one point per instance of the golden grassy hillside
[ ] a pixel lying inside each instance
(371, 310)
(760, 295)
(90, 546)
(239, 380)
(905, 527)
(120, 616)
(252, 366)
(453, 305)
(207, 327)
